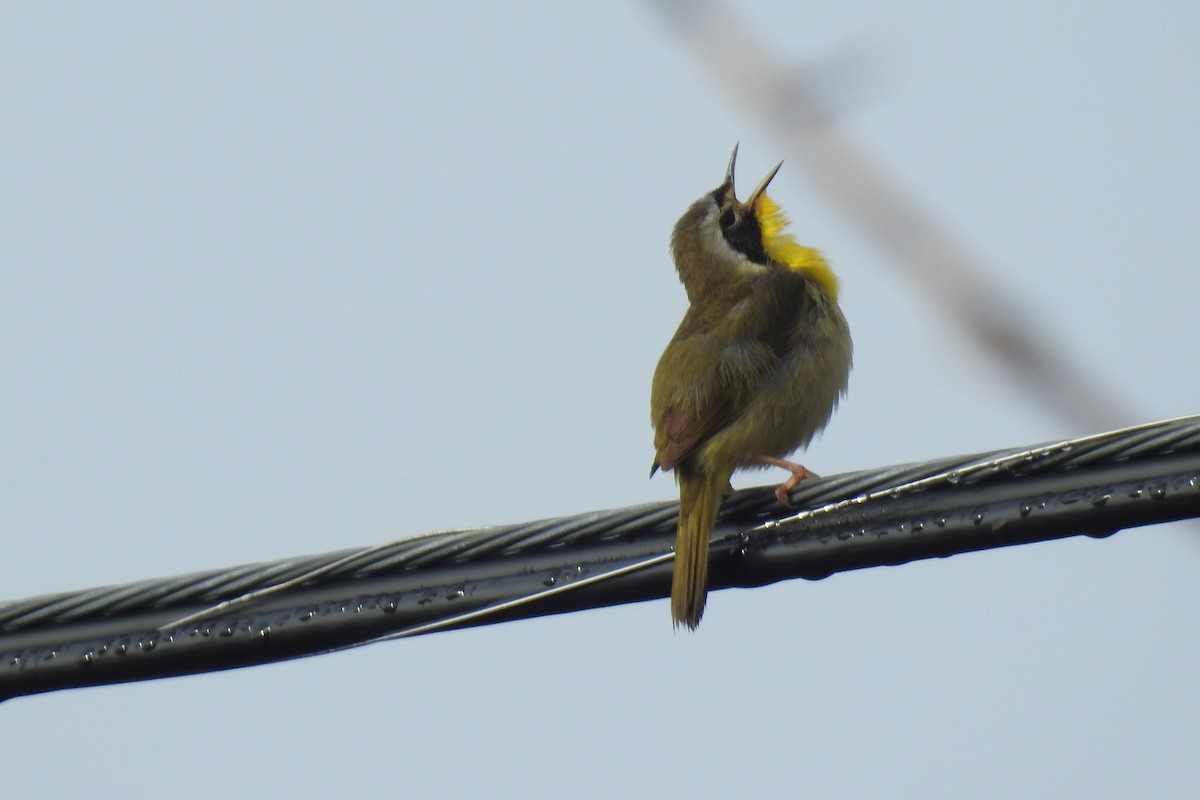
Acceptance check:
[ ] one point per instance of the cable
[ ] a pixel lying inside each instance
(261, 613)
(770, 90)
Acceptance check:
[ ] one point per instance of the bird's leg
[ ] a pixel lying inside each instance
(799, 473)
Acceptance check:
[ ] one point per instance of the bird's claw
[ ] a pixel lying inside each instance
(799, 473)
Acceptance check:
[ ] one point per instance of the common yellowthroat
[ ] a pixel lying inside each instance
(754, 371)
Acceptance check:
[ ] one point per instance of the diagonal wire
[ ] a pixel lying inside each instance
(743, 66)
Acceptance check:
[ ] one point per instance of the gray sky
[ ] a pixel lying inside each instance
(280, 279)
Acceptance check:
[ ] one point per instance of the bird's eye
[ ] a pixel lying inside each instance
(727, 219)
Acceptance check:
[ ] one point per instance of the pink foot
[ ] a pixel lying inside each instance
(799, 473)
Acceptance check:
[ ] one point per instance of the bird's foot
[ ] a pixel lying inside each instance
(798, 471)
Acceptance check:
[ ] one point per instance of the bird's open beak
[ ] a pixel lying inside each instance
(729, 170)
(762, 187)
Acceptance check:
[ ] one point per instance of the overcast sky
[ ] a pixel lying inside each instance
(279, 279)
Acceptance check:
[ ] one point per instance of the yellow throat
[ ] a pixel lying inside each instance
(785, 250)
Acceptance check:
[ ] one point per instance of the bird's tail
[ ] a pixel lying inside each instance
(700, 495)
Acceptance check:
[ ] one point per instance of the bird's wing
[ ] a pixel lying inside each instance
(681, 432)
(725, 357)
(707, 403)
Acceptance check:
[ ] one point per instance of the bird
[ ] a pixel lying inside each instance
(755, 369)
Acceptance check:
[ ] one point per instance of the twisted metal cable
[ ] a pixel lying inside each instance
(266, 612)
(461, 546)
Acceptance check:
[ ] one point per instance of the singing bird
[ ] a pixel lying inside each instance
(754, 371)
